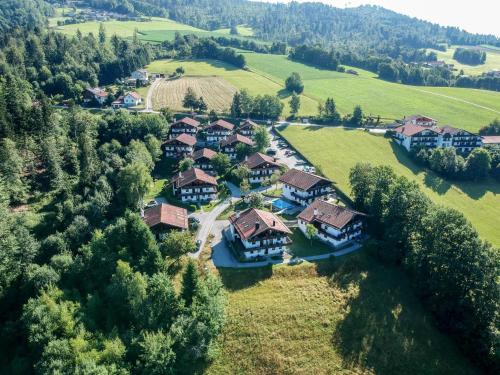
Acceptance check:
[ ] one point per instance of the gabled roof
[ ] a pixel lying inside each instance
(187, 121)
(412, 129)
(418, 118)
(166, 214)
(133, 94)
(236, 138)
(257, 159)
(204, 153)
(491, 139)
(329, 214)
(221, 123)
(252, 222)
(183, 138)
(247, 124)
(450, 130)
(97, 91)
(193, 175)
(302, 180)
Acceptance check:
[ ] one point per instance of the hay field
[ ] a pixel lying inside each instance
(216, 91)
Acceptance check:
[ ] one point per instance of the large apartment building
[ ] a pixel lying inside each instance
(303, 187)
(194, 185)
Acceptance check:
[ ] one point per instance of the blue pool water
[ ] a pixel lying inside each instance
(281, 204)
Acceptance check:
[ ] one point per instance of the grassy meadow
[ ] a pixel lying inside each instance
(338, 150)
(492, 61)
(350, 316)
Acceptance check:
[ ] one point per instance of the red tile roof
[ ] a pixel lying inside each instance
(193, 175)
(133, 94)
(166, 214)
(411, 129)
(183, 138)
(257, 159)
(418, 118)
(222, 123)
(491, 139)
(252, 222)
(329, 214)
(204, 153)
(188, 121)
(236, 138)
(98, 92)
(302, 180)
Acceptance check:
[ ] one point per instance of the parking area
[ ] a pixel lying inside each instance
(286, 155)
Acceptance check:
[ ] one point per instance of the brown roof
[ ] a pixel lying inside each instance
(188, 121)
(235, 138)
(412, 129)
(450, 130)
(204, 153)
(183, 138)
(193, 175)
(247, 124)
(257, 159)
(418, 118)
(166, 214)
(491, 139)
(301, 180)
(221, 123)
(328, 213)
(247, 227)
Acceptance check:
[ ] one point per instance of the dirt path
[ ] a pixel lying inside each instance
(149, 97)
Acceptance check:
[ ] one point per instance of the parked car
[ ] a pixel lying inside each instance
(271, 151)
(198, 244)
(151, 203)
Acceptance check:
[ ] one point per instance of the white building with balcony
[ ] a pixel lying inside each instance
(218, 130)
(194, 185)
(336, 225)
(261, 167)
(259, 233)
(179, 147)
(303, 187)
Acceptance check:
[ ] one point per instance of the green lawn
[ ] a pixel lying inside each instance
(242, 31)
(492, 61)
(302, 247)
(352, 316)
(338, 150)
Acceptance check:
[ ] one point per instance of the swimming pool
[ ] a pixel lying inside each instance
(282, 204)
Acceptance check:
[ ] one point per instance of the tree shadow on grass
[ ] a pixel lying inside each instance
(284, 94)
(237, 279)
(385, 328)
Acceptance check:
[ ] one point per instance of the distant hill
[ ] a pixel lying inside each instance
(365, 28)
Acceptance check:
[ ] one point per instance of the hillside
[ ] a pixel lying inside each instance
(492, 61)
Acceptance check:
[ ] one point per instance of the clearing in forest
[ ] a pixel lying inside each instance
(216, 92)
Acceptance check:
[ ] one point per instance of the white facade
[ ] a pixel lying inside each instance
(217, 135)
(197, 193)
(334, 236)
(173, 151)
(131, 101)
(262, 247)
(304, 197)
(141, 75)
(176, 131)
(259, 175)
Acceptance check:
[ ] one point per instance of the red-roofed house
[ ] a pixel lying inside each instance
(336, 225)
(195, 185)
(130, 99)
(218, 130)
(411, 136)
(165, 217)
(247, 128)
(303, 187)
(179, 147)
(419, 120)
(95, 93)
(203, 159)
(261, 233)
(228, 145)
(184, 126)
(261, 167)
(490, 140)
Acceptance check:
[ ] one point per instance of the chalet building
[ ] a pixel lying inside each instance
(419, 120)
(336, 225)
(218, 130)
(179, 147)
(195, 185)
(140, 75)
(164, 217)
(130, 99)
(247, 128)
(303, 187)
(184, 126)
(261, 167)
(203, 159)
(259, 233)
(417, 136)
(228, 145)
(96, 93)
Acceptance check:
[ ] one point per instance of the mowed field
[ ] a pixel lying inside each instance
(338, 150)
(351, 316)
(465, 108)
(255, 84)
(492, 60)
(216, 92)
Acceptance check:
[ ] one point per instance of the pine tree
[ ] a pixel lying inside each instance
(190, 283)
